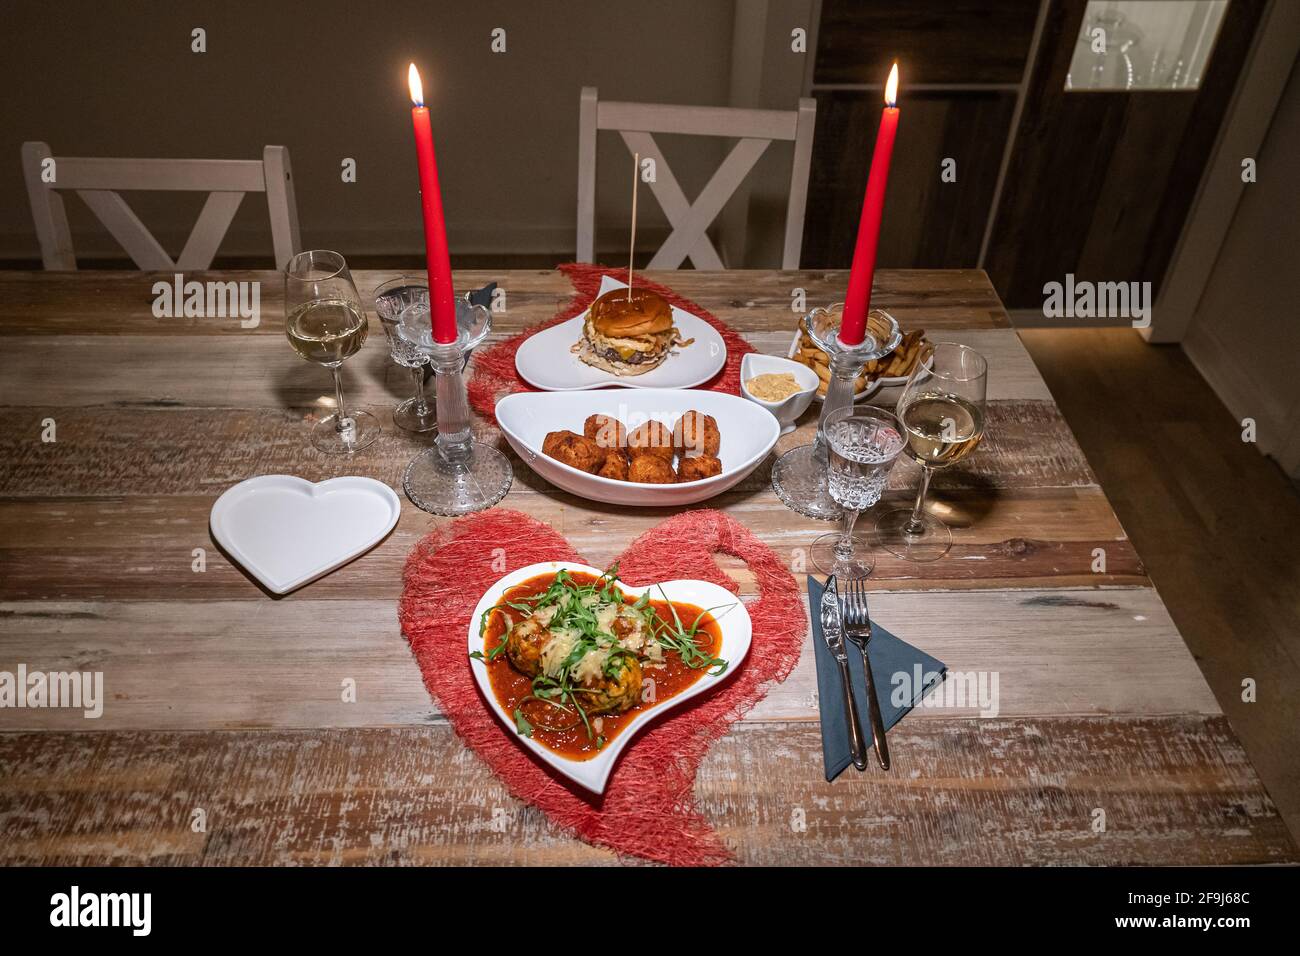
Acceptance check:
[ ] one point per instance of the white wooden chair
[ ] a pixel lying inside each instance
(98, 181)
(755, 129)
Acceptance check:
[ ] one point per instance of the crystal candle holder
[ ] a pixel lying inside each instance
(458, 474)
(799, 476)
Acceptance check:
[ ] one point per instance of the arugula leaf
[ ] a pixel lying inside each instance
(521, 723)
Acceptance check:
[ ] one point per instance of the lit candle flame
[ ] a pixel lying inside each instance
(417, 88)
(891, 87)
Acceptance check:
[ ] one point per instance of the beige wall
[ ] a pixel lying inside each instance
(1245, 335)
(327, 79)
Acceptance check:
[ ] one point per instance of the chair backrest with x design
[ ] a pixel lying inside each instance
(98, 182)
(755, 129)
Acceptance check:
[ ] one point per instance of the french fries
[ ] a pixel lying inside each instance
(897, 364)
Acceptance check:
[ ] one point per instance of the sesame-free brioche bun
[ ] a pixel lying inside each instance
(618, 316)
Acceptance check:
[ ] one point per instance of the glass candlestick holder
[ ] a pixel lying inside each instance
(458, 474)
(799, 476)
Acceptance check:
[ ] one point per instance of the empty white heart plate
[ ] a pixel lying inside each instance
(593, 773)
(287, 531)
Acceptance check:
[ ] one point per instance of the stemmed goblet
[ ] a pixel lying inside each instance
(942, 411)
(862, 445)
(799, 477)
(392, 298)
(326, 324)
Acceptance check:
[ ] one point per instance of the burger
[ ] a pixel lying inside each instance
(628, 334)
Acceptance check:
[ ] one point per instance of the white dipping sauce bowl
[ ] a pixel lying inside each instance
(788, 410)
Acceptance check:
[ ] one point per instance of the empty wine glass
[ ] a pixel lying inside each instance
(862, 444)
(392, 298)
(942, 411)
(326, 324)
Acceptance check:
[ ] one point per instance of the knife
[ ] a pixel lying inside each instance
(833, 635)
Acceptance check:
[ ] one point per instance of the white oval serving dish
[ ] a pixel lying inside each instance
(748, 433)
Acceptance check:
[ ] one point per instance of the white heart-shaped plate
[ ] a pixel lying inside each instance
(287, 531)
(593, 773)
(547, 361)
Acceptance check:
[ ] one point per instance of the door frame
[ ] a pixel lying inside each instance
(1260, 85)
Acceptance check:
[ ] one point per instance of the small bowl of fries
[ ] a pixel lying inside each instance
(888, 370)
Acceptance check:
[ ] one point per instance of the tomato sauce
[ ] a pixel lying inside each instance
(657, 683)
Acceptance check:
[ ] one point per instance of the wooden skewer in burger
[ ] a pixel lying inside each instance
(629, 331)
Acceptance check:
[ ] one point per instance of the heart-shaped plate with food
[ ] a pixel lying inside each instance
(574, 663)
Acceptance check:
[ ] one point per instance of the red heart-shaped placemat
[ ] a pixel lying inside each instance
(648, 809)
(494, 375)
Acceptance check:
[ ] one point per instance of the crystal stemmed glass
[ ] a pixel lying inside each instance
(942, 411)
(799, 476)
(862, 445)
(392, 298)
(458, 474)
(326, 324)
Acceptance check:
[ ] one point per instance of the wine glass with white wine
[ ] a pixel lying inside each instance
(942, 411)
(326, 324)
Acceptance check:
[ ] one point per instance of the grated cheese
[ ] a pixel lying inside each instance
(557, 649)
(635, 640)
(605, 615)
(591, 666)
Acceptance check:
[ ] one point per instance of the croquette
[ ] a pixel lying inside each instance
(652, 438)
(701, 466)
(615, 466)
(696, 434)
(606, 431)
(576, 451)
(651, 470)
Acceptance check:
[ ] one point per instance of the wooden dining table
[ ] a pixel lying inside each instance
(225, 737)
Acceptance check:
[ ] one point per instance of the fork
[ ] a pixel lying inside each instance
(857, 627)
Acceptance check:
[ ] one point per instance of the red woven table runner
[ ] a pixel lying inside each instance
(648, 809)
(494, 375)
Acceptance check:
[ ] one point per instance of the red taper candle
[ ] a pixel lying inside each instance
(853, 325)
(442, 298)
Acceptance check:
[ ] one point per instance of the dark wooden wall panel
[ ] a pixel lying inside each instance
(1100, 183)
(928, 223)
(935, 41)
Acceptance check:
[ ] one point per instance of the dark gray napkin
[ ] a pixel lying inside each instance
(889, 657)
(483, 296)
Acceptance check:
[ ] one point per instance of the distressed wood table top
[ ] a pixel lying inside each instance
(221, 699)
